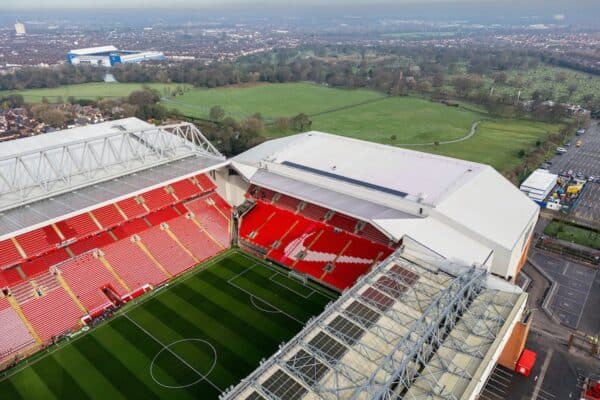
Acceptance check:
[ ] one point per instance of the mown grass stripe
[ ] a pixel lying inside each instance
(86, 375)
(238, 304)
(31, 386)
(59, 380)
(208, 329)
(9, 391)
(113, 369)
(284, 298)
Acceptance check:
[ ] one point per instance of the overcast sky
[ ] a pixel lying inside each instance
(171, 4)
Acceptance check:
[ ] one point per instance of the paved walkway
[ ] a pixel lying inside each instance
(468, 136)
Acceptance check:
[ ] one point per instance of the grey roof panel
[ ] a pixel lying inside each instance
(350, 205)
(20, 219)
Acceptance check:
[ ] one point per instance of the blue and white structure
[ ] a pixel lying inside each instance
(107, 56)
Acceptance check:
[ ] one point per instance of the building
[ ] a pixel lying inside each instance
(20, 29)
(426, 320)
(108, 56)
(455, 210)
(539, 184)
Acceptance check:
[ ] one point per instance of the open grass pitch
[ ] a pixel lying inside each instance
(191, 340)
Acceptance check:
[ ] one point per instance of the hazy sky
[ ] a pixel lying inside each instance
(171, 4)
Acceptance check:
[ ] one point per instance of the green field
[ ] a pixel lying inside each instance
(89, 91)
(402, 121)
(190, 341)
(573, 233)
(270, 100)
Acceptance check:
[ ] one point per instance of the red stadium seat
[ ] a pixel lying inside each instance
(78, 226)
(12, 276)
(42, 264)
(9, 255)
(108, 216)
(157, 217)
(185, 189)
(205, 183)
(170, 255)
(93, 242)
(38, 241)
(343, 222)
(130, 228)
(86, 276)
(212, 218)
(53, 314)
(132, 264)
(285, 236)
(193, 238)
(132, 208)
(14, 335)
(158, 198)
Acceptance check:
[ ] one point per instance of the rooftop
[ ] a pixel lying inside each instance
(404, 331)
(401, 172)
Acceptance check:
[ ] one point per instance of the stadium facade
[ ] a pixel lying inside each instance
(108, 56)
(422, 248)
(456, 210)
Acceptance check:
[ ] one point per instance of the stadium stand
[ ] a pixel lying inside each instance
(9, 255)
(12, 276)
(373, 234)
(76, 227)
(14, 335)
(93, 242)
(130, 228)
(343, 222)
(193, 238)
(185, 189)
(52, 314)
(156, 218)
(38, 241)
(157, 199)
(132, 265)
(131, 207)
(205, 183)
(86, 275)
(212, 217)
(166, 251)
(332, 254)
(108, 216)
(41, 264)
(313, 211)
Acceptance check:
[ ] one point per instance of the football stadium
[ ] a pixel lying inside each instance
(136, 261)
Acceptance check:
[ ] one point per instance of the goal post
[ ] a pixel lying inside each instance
(298, 276)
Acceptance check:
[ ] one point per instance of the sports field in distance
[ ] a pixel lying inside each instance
(89, 91)
(191, 340)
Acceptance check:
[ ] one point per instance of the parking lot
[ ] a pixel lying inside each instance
(584, 159)
(553, 377)
(574, 282)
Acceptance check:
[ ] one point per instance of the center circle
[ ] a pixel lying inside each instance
(169, 348)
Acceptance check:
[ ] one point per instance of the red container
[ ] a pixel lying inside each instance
(526, 362)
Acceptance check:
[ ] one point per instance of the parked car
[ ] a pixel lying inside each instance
(580, 132)
(578, 144)
(561, 150)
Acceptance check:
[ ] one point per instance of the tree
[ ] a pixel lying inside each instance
(282, 123)
(144, 97)
(254, 126)
(301, 122)
(53, 117)
(216, 113)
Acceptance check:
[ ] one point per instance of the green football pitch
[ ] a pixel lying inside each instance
(190, 340)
